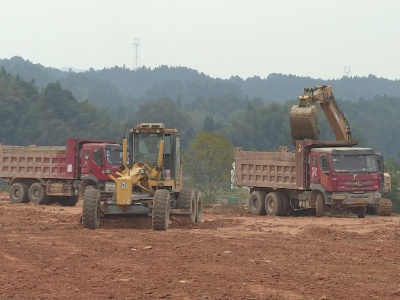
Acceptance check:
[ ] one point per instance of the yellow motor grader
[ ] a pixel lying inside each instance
(150, 181)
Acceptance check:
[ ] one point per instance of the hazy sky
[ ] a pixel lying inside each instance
(221, 38)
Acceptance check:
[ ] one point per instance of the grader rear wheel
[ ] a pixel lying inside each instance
(199, 208)
(160, 213)
(187, 201)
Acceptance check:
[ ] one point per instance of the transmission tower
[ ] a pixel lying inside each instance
(347, 71)
(136, 44)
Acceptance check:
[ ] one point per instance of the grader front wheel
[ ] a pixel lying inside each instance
(160, 212)
(91, 208)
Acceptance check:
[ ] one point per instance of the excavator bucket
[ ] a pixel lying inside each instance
(303, 123)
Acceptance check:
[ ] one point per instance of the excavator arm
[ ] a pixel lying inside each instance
(303, 117)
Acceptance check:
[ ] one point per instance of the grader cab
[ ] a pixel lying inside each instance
(150, 181)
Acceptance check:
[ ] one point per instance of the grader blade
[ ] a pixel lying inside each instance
(303, 123)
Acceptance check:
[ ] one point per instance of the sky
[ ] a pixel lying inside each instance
(220, 38)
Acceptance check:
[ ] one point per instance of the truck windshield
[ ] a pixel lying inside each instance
(114, 155)
(354, 163)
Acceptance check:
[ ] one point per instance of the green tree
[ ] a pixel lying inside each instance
(393, 168)
(208, 162)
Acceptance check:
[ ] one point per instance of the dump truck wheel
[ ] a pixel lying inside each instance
(37, 194)
(69, 200)
(199, 208)
(160, 213)
(257, 203)
(19, 193)
(319, 206)
(285, 204)
(187, 201)
(91, 208)
(360, 211)
(274, 204)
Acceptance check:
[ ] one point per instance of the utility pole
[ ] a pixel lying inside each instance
(136, 44)
(347, 71)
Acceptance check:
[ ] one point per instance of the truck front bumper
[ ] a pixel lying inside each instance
(355, 199)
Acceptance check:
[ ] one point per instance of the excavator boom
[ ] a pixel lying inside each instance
(303, 117)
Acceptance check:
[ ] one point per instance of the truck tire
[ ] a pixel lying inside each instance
(199, 208)
(37, 194)
(19, 193)
(257, 203)
(91, 208)
(319, 205)
(274, 204)
(69, 200)
(187, 201)
(285, 204)
(160, 213)
(360, 211)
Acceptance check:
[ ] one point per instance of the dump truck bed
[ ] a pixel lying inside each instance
(265, 169)
(33, 162)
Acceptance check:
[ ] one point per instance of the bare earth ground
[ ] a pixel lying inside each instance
(46, 254)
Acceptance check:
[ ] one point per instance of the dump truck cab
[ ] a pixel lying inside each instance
(97, 160)
(346, 175)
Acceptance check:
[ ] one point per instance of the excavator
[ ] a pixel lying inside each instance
(304, 125)
(303, 117)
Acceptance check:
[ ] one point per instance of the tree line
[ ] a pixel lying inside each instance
(49, 115)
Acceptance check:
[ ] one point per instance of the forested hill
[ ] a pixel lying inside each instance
(119, 86)
(48, 117)
(44, 108)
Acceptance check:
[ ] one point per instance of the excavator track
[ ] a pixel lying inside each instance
(303, 123)
(384, 208)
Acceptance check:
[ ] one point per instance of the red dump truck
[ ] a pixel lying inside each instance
(324, 176)
(48, 174)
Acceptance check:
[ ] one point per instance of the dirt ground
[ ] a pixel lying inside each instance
(46, 254)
